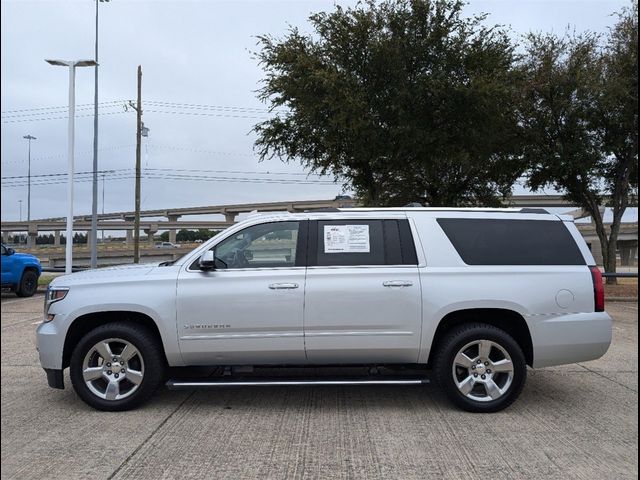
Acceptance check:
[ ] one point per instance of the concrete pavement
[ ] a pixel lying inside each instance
(577, 421)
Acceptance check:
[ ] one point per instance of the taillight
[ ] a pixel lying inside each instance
(598, 289)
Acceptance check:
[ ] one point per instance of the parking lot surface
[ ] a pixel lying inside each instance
(576, 421)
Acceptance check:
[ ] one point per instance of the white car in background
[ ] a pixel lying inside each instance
(166, 245)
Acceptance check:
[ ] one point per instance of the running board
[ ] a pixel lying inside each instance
(285, 382)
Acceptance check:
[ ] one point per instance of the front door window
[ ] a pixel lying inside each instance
(269, 245)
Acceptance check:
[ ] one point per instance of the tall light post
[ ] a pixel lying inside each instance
(72, 112)
(93, 235)
(29, 138)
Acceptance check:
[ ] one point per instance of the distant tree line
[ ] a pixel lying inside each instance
(410, 101)
(78, 238)
(185, 235)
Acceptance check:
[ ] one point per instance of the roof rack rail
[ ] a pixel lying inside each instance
(533, 210)
(324, 209)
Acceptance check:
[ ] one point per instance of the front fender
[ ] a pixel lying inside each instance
(166, 324)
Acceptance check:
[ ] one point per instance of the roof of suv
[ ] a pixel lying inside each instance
(444, 209)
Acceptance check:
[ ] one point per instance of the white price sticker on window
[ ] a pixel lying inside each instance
(346, 239)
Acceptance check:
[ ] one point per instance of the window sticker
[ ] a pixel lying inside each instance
(346, 239)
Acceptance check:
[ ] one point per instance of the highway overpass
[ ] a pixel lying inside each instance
(154, 221)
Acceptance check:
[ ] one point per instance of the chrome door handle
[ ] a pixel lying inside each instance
(283, 286)
(396, 283)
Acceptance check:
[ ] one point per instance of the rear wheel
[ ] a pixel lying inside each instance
(480, 367)
(117, 366)
(28, 284)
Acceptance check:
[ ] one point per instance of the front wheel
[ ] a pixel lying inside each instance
(480, 367)
(117, 366)
(28, 284)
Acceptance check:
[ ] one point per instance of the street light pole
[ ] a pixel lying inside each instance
(93, 235)
(103, 204)
(29, 138)
(71, 140)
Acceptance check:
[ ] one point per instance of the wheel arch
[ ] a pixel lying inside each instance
(89, 321)
(31, 268)
(510, 321)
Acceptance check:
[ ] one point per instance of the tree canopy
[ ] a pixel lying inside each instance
(402, 101)
(579, 114)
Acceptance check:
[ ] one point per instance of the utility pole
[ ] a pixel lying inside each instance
(29, 138)
(20, 202)
(136, 222)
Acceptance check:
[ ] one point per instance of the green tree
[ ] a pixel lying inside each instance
(402, 100)
(580, 116)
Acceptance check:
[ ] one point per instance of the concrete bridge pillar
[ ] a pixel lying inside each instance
(628, 254)
(229, 217)
(129, 239)
(5, 237)
(150, 233)
(173, 232)
(56, 238)
(32, 234)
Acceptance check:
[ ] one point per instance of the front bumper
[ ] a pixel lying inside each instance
(564, 339)
(50, 343)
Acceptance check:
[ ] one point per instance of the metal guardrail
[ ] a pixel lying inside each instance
(61, 270)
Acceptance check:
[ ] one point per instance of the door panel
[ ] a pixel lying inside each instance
(362, 314)
(241, 317)
(7, 266)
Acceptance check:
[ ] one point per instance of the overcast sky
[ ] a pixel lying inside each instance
(192, 53)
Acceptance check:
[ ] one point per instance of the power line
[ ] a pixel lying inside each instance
(230, 111)
(169, 175)
(40, 114)
(208, 107)
(224, 115)
(235, 171)
(63, 174)
(61, 118)
(61, 108)
(164, 171)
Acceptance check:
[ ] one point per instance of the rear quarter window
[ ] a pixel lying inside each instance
(512, 242)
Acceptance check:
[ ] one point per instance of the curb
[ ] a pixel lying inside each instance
(622, 299)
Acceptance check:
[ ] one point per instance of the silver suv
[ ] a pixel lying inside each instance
(473, 296)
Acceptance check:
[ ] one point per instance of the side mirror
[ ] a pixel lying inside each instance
(207, 260)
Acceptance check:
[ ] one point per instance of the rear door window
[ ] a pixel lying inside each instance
(512, 242)
(360, 243)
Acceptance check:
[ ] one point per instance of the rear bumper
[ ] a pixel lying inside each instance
(577, 337)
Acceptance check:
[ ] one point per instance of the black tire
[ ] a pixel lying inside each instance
(150, 351)
(28, 284)
(451, 344)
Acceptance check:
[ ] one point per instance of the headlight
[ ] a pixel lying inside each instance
(53, 294)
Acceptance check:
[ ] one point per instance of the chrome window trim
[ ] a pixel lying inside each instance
(232, 230)
(257, 269)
